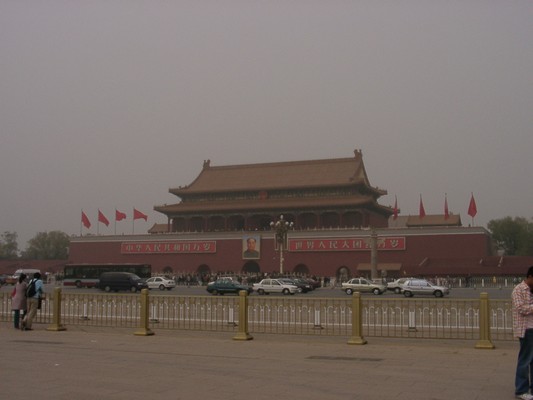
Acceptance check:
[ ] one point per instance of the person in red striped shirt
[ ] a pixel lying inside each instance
(522, 307)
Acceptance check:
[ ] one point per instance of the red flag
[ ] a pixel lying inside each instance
(138, 215)
(446, 211)
(119, 216)
(395, 215)
(472, 208)
(85, 221)
(102, 218)
(421, 212)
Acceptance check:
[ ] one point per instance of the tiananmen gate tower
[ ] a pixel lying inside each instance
(332, 209)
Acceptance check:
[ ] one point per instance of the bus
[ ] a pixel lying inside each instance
(87, 275)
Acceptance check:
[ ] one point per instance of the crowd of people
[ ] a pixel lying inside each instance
(187, 279)
(199, 279)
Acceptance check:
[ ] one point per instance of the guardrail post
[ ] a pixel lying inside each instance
(144, 329)
(56, 313)
(357, 320)
(411, 327)
(243, 334)
(318, 322)
(484, 341)
(155, 314)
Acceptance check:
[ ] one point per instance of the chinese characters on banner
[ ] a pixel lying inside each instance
(345, 244)
(183, 247)
(295, 245)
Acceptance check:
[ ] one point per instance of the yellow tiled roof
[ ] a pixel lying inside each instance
(282, 175)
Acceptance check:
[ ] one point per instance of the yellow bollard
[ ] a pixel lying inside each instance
(484, 341)
(144, 329)
(243, 334)
(56, 313)
(357, 320)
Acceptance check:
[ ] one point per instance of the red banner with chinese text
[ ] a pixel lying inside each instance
(345, 244)
(182, 246)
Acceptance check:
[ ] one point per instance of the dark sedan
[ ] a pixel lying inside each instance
(303, 285)
(223, 286)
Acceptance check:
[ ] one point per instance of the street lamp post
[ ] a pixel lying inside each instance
(374, 242)
(281, 228)
(373, 255)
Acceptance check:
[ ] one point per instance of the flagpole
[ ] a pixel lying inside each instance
(133, 223)
(81, 222)
(98, 223)
(473, 215)
(115, 230)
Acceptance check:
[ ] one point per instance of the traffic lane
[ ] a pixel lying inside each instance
(455, 293)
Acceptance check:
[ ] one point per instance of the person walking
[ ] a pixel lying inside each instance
(522, 309)
(33, 297)
(18, 302)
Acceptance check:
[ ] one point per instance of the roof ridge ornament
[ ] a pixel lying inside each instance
(207, 164)
(358, 155)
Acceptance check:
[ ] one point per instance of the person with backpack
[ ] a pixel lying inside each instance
(18, 301)
(34, 292)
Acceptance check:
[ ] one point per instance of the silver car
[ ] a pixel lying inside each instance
(161, 283)
(423, 287)
(362, 285)
(396, 286)
(267, 286)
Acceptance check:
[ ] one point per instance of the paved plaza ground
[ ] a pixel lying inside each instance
(109, 363)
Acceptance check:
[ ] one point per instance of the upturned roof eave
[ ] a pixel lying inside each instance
(293, 204)
(185, 191)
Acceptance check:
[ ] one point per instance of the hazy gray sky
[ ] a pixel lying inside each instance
(107, 104)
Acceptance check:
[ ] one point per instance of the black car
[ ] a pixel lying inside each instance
(316, 284)
(303, 285)
(115, 281)
(223, 286)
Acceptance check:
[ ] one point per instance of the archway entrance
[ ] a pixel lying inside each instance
(343, 274)
(203, 269)
(301, 269)
(251, 267)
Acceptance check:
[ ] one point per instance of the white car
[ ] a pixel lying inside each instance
(267, 286)
(161, 283)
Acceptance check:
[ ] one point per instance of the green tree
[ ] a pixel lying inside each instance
(47, 246)
(513, 235)
(9, 248)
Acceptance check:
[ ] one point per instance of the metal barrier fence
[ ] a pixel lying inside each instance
(400, 318)
(215, 313)
(479, 282)
(380, 317)
(117, 310)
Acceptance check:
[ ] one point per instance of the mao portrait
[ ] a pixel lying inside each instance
(251, 248)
